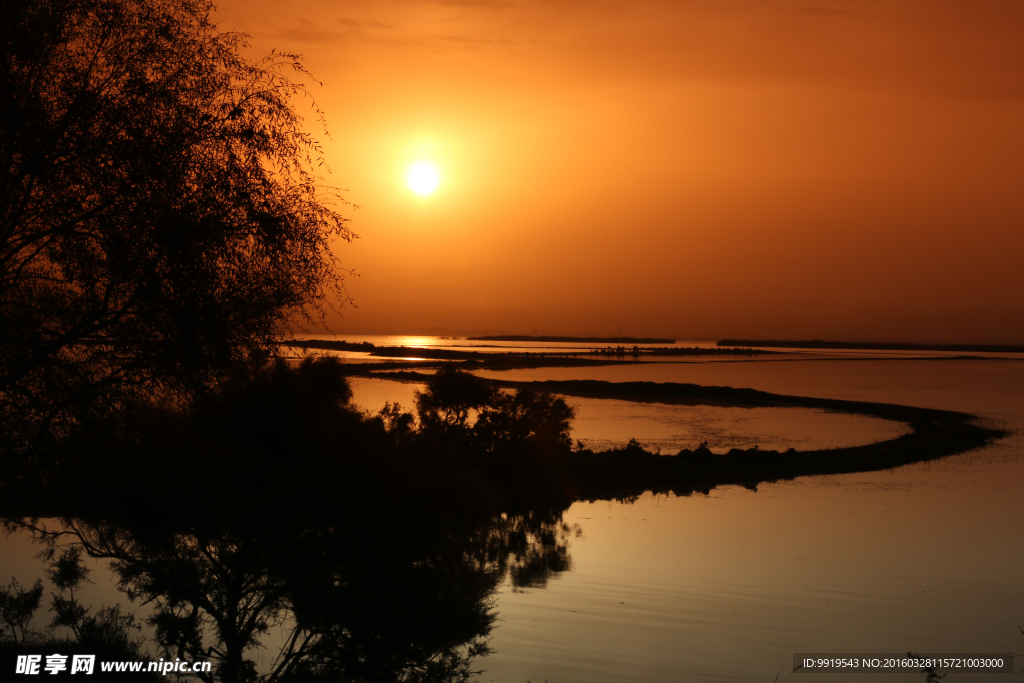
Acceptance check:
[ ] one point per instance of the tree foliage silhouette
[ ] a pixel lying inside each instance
(527, 417)
(17, 606)
(160, 213)
(449, 397)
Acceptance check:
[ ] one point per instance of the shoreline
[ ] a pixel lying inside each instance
(572, 340)
(873, 346)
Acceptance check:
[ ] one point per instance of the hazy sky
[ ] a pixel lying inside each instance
(842, 169)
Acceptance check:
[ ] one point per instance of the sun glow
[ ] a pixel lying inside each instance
(423, 177)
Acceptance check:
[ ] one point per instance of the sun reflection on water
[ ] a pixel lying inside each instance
(414, 342)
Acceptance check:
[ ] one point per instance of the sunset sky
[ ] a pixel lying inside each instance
(840, 169)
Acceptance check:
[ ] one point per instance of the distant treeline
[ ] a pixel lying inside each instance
(446, 354)
(579, 340)
(548, 359)
(502, 361)
(874, 346)
(675, 351)
(385, 351)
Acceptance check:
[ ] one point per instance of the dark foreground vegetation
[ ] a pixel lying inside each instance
(492, 445)
(107, 633)
(874, 346)
(271, 510)
(160, 216)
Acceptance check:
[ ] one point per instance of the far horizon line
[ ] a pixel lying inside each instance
(808, 343)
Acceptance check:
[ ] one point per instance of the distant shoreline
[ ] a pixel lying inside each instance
(519, 357)
(873, 346)
(581, 340)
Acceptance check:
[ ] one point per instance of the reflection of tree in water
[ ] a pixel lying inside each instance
(369, 547)
(528, 548)
(357, 600)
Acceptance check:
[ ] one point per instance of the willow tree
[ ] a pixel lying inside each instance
(160, 213)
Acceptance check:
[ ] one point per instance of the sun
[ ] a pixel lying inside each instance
(423, 177)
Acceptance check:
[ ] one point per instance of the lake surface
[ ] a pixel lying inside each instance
(927, 557)
(726, 587)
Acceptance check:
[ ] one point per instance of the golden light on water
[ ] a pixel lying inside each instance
(413, 341)
(423, 178)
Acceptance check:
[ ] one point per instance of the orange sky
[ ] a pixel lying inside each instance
(842, 169)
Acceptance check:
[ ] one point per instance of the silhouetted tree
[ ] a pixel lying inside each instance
(526, 417)
(107, 633)
(450, 396)
(159, 214)
(17, 606)
(396, 422)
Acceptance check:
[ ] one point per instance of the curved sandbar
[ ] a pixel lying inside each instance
(632, 470)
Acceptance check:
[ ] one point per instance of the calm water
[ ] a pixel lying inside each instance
(727, 587)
